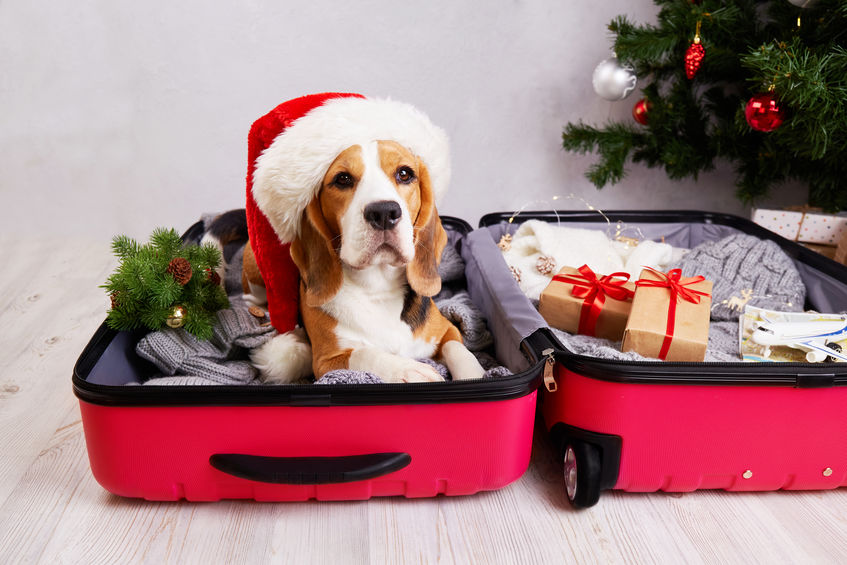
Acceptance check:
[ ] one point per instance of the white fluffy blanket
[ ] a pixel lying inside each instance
(574, 247)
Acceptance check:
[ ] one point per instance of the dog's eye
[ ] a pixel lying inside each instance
(404, 175)
(343, 180)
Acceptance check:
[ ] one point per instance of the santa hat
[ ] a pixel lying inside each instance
(289, 151)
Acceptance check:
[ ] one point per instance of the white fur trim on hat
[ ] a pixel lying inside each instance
(289, 172)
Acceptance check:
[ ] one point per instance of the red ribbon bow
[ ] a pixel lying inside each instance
(593, 291)
(673, 281)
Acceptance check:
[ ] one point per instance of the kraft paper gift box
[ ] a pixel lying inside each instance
(825, 250)
(841, 251)
(670, 316)
(580, 301)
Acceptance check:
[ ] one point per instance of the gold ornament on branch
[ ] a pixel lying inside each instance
(177, 317)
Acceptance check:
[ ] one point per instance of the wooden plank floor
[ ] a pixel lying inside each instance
(52, 510)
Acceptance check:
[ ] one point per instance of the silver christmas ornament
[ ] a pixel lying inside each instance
(803, 3)
(612, 80)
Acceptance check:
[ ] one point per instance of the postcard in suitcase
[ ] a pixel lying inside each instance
(644, 426)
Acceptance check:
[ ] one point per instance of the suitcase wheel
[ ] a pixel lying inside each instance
(582, 473)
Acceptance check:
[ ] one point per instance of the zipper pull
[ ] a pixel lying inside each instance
(549, 380)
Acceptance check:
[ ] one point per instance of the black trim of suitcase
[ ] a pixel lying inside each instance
(476, 390)
(799, 375)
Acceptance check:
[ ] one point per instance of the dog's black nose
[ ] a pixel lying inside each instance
(383, 215)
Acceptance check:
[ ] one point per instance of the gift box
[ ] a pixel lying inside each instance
(784, 222)
(822, 229)
(825, 250)
(807, 225)
(580, 301)
(669, 318)
(841, 251)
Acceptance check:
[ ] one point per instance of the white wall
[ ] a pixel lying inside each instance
(121, 116)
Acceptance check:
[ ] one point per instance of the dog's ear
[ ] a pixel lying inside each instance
(430, 239)
(316, 258)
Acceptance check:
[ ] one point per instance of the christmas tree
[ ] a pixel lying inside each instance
(769, 94)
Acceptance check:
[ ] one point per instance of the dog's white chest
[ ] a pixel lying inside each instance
(368, 311)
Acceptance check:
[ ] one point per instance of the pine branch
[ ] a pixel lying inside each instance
(209, 256)
(200, 325)
(615, 144)
(644, 45)
(145, 292)
(123, 246)
(165, 242)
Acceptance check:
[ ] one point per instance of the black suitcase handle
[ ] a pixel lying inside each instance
(309, 470)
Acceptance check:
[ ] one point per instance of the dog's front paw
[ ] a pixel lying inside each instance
(392, 368)
(413, 372)
(463, 365)
(284, 359)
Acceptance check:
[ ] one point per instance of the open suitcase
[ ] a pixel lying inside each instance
(296, 442)
(648, 426)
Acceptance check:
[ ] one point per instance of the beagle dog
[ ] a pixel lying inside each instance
(368, 249)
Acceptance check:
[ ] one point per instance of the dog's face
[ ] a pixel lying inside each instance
(375, 206)
(370, 196)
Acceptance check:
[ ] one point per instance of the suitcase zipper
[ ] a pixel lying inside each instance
(549, 362)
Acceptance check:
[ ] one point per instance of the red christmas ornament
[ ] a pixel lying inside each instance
(694, 55)
(693, 59)
(213, 277)
(763, 112)
(640, 111)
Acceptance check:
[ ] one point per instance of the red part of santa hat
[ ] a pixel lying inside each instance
(290, 149)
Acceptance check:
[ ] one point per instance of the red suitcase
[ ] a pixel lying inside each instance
(296, 442)
(648, 426)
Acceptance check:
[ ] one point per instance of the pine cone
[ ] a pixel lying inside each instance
(180, 268)
(113, 298)
(546, 265)
(505, 242)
